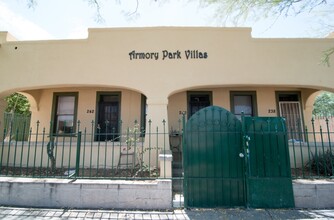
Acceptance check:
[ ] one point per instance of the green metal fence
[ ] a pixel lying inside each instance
(312, 156)
(133, 153)
(15, 122)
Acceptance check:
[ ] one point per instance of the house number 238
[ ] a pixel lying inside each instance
(271, 111)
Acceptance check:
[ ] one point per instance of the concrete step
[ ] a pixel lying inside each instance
(178, 201)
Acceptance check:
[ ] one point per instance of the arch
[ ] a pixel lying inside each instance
(32, 99)
(57, 86)
(33, 94)
(309, 98)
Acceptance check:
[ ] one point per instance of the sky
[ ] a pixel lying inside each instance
(70, 19)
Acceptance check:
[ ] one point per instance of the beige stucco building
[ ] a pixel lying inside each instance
(159, 73)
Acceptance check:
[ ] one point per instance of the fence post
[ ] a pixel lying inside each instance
(184, 161)
(77, 164)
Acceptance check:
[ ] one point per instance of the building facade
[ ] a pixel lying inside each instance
(128, 74)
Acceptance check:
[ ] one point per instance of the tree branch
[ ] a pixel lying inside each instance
(136, 10)
(31, 3)
(235, 10)
(326, 56)
(96, 5)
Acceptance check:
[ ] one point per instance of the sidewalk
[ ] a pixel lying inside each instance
(211, 214)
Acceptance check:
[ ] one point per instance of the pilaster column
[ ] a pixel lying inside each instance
(157, 130)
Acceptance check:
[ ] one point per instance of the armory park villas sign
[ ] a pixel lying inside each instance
(167, 55)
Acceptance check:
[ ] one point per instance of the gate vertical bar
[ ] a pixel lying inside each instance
(184, 161)
(77, 164)
(2, 150)
(245, 140)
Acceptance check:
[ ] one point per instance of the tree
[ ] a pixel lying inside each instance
(242, 9)
(324, 105)
(237, 10)
(93, 3)
(17, 103)
(17, 106)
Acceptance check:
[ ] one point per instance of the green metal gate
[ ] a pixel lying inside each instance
(269, 183)
(213, 170)
(228, 163)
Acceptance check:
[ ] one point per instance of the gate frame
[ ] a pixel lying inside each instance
(246, 163)
(283, 196)
(185, 152)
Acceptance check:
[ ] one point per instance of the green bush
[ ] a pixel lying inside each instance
(322, 163)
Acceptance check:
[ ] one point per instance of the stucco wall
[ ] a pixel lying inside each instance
(313, 194)
(265, 101)
(233, 58)
(95, 194)
(131, 103)
(119, 194)
(130, 106)
(103, 61)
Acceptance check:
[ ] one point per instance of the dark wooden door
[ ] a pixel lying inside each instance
(108, 118)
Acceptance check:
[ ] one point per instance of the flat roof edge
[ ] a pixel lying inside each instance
(5, 36)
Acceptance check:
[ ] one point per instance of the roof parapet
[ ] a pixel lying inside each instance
(6, 36)
(330, 35)
(246, 31)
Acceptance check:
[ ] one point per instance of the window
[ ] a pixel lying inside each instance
(197, 101)
(290, 108)
(64, 108)
(243, 102)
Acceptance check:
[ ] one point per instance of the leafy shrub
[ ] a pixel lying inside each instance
(322, 164)
(134, 143)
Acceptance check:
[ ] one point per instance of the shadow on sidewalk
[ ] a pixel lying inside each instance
(250, 214)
